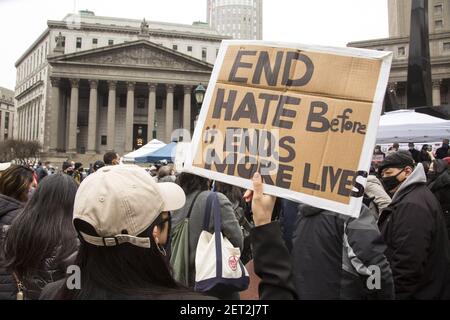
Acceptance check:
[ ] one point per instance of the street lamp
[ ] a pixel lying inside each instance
(199, 96)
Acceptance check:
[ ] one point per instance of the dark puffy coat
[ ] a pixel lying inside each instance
(414, 230)
(441, 189)
(9, 209)
(333, 256)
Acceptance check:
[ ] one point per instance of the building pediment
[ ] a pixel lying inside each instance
(141, 53)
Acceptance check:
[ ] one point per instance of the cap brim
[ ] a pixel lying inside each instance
(173, 196)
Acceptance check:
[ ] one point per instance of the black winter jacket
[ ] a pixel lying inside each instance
(53, 268)
(441, 189)
(414, 230)
(335, 256)
(9, 209)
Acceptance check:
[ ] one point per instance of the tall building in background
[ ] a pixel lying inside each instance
(240, 19)
(6, 113)
(399, 12)
(90, 84)
(400, 17)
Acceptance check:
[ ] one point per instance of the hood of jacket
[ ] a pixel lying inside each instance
(8, 204)
(416, 177)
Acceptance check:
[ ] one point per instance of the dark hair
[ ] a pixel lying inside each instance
(424, 147)
(124, 269)
(15, 182)
(190, 183)
(66, 165)
(233, 193)
(78, 165)
(44, 225)
(109, 157)
(98, 164)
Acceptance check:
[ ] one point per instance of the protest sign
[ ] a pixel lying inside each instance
(305, 117)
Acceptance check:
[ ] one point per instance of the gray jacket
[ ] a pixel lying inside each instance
(230, 225)
(375, 190)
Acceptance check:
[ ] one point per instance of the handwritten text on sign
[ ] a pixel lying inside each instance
(298, 117)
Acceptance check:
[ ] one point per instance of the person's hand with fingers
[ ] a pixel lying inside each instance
(262, 204)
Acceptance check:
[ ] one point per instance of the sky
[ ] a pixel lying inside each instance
(324, 22)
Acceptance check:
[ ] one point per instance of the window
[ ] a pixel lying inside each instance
(446, 46)
(104, 141)
(189, 48)
(438, 24)
(94, 41)
(78, 43)
(204, 53)
(110, 42)
(175, 47)
(438, 9)
(401, 51)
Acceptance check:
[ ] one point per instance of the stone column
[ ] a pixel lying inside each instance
(187, 111)
(2, 125)
(27, 121)
(437, 92)
(129, 120)
(33, 114)
(169, 111)
(54, 114)
(151, 110)
(111, 122)
(73, 116)
(10, 125)
(20, 124)
(92, 124)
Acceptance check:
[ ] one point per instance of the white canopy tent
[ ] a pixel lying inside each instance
(411, 126)
(150, 147)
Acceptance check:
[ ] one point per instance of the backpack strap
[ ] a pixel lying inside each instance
(192, 204)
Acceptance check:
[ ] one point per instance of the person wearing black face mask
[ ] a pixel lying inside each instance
(413, 228)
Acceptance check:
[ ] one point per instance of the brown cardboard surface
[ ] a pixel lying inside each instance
(317, 105)
(336, 76)
(319, 149)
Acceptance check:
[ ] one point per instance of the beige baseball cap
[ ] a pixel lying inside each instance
(121, 201)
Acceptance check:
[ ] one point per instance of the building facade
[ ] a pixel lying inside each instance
(240, 19)
(398, 42)
(92, 84)
(6, 113)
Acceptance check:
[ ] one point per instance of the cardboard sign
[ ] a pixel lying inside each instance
(305, 117)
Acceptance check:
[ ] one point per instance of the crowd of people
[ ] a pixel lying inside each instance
(116, 222)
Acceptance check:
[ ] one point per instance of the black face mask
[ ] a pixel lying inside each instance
(392, 182)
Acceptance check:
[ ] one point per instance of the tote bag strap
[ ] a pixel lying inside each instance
(212, 208)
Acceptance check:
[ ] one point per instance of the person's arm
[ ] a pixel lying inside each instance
(272, 262)
(366, 253)
(375, 189)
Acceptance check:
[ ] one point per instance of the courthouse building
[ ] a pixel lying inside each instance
(398, 43)
(6, 113)
(91, 84)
